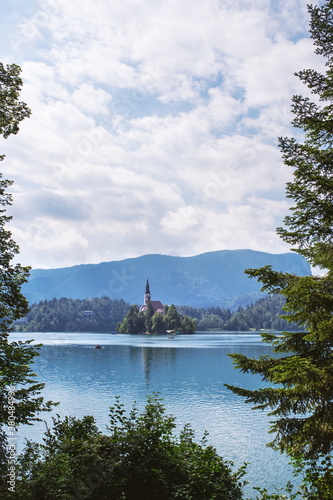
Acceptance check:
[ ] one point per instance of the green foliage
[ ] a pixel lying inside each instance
(148, 314)
(316, 484)
(68, 315)
(134, 321)
(301, 396)
(137, 321)
(12, 111)
(158, 323)
(140, 459)
(13, 305)
(187, 325)
(265, 313)
(317, 477)
(173, 319)
(309, 226)
(19, 392)
(302, 400)
(280, 494)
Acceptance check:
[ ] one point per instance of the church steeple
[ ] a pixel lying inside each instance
(156, 304)
(147, 296)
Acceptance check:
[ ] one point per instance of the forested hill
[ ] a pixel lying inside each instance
(209, 279)
(103, 314)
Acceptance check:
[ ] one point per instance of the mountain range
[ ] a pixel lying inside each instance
(210, 279)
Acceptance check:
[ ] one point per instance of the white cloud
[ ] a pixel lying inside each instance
(94, 101)
(154, 126)
(241, 226)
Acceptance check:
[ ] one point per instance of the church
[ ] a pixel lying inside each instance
(157, 305)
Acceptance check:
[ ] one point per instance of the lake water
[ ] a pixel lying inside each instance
(187, 371)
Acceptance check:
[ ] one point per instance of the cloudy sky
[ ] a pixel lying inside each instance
(154, 125)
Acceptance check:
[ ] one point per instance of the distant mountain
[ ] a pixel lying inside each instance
(209, 279)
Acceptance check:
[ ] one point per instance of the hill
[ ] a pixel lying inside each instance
(210, 279)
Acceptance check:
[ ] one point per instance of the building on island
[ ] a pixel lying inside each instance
(157, 305)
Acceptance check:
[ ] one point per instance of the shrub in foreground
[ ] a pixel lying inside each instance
(140, 459)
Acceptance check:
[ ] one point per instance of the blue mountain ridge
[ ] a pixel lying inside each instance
(209, 279)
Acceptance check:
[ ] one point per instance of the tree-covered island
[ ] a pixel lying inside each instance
(149, 321)
(154, 317)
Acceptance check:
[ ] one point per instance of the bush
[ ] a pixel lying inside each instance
(141, 459)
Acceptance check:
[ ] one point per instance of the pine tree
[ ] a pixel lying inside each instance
(301, 393)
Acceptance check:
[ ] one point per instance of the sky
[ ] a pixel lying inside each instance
(154, 125)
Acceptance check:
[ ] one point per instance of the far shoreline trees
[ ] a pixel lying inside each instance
(102, 314)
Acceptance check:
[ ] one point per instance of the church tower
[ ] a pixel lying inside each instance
(147, 294)
(157, 305)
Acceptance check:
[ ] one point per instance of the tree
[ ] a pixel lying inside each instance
(158, 323)
(188, 325)
(302, 402)
(12, 111)
(148, 314)
(137, 321)
(12, 303)
(69, 315)
(20, 399)
(133, 322)
(173, 319)
(140, 459)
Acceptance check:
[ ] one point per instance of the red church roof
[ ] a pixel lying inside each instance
(157, 305)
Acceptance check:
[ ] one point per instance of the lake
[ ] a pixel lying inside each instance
(189, 372)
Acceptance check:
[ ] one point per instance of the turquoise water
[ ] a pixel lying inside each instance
(187, 371)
